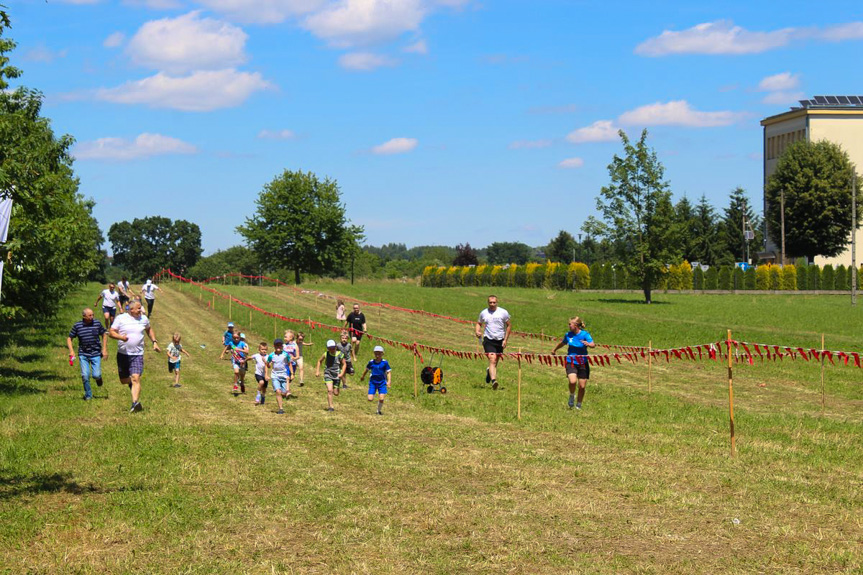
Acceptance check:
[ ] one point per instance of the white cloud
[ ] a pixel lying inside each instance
(719, 37)
(570, 163)
(188, 42)
(776, 82)
(599, 131)
(42, 53)
(120, 149)
(114, 40)
(419, 47)
(396, 146)
(276, 135)
(530, 144)
(351, 23)
(263, 11)
(841, 32)
(198, 92)
(365, 61)
(676, 113)
(723, 37)
(781, 98)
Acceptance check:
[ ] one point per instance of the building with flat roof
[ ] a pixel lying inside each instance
(838, 119)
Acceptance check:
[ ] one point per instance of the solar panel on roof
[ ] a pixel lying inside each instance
(820, 100)
(843, 99)
(832, 100)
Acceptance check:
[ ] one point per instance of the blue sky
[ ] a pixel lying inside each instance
(444, 121)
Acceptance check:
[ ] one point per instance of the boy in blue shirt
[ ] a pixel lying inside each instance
(380, 379)
(227, 340)
(279, 370)
(239, 353)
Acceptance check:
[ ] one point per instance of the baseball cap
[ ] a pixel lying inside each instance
(230, 324)
(379, 348)
(277, 342)
(242, 336)
(331, 343)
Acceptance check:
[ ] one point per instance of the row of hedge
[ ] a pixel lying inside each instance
(578, 276)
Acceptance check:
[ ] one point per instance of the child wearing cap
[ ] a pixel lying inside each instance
(260, 359)
(333, 372)
(380, 379)
(278, 370)
(293, 350)
(227, 340)
(239, 353)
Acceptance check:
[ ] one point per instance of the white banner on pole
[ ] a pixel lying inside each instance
(5, 215)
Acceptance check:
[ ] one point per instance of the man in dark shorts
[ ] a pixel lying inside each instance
(356, 326)
(129, 330)
(123, 288)
(493, 326)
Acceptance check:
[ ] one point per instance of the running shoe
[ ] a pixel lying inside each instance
(487, 376)
(236, 389)
(281, 412)
(494, 384)
(136, 407)
(571, 402)
(578, 406)
(331, 409)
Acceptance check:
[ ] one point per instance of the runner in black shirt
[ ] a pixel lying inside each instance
(356, 325)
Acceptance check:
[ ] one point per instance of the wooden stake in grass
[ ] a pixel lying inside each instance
(231, 308)
(415, 370)
(274, 328)
(731, 397)
(649, 366)
(250, 319)
(519, 383)
(822, 374)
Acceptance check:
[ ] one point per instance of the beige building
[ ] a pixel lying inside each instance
(838, 119)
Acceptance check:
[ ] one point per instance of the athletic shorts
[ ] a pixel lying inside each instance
(492, 345)
(580, 368)
(329, 381)
(280, 382)
(299, 362)
(260, 378)
(357, 335)
(123, 299)
(238, 366)
(349, 368)
(109, 310)
(173, 365)
(380, 388)
(129, 364)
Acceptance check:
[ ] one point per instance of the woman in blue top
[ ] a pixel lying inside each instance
(577, 367)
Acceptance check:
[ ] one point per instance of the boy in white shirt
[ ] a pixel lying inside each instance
(260, 360)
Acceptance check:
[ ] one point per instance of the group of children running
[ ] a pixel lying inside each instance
(284, 365)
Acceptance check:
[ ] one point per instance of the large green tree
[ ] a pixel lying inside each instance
(502, 253)
(738, 211)
(238, 259)
(815, 179)
(300, 224)
(562, 248)
(145, 245)
(704, 230)
(54, 241)
(638, 214)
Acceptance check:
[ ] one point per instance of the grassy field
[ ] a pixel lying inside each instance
(203, 482)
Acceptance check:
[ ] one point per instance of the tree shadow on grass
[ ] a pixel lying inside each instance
(16, 485)
(632, 301)
(14, 381)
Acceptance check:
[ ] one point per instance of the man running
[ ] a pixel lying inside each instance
(493, 326)
(356, 326)
(110, 299)
(148, 290)
(129, 330)
(90, 352)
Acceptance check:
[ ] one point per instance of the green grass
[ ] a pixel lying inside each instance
(202, 482)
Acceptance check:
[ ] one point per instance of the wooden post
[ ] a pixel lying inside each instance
(230, 307)
(250, 319)
(822, 374)
(519, 384)
(415, 370)
(650, 366)
(731, 397)
(274, 328)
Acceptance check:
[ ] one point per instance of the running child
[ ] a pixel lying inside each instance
(344, 346)
(278, 371)
(301, 343)
(227, 340)
(380, 379)
(334, 370)
(239, 353)
(175, 351)
(261, 372)
(293, 350)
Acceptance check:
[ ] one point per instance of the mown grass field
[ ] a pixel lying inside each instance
(203, 482)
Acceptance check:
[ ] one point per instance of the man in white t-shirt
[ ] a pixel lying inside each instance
(148, 290)
(110, 298)
(129, 329)
(493, 327)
